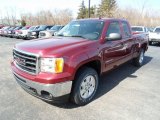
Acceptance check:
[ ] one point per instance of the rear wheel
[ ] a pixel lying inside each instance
(138, 61)
(85, 86)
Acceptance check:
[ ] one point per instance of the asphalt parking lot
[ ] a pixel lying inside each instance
(126, 93)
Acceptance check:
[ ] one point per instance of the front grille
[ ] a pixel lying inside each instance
(26, 61)
(42, 34)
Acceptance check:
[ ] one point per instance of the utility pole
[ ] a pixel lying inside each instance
(89, 14)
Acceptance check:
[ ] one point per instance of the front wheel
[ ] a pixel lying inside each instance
(138, 61)
(85, 86)
(150, 42)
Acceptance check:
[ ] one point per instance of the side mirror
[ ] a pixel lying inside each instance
(114, 36)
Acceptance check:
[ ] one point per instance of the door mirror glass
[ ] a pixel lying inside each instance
(114, 36)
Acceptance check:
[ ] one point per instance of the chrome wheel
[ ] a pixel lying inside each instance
(141, 58)
(87, 87)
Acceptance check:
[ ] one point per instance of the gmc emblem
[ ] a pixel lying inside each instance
(20, 61)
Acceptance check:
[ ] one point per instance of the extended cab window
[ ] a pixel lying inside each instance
(126, 30)
(113, 28)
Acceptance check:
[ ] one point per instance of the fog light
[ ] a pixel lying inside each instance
(46, 95)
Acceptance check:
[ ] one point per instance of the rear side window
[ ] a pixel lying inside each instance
(126, 30)
(113, 28)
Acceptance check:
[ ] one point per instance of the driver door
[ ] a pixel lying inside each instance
(114, 50)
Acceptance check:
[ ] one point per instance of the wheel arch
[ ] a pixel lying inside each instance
(95, 64)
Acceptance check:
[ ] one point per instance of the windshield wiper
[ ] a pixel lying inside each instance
(78, 36)
(71, 36)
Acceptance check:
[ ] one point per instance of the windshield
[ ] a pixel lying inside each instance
(88, 29)
(140, 29)
(17, 28)
(42, 27)
(6, 28)
(24, 28)
(157, 30)
(31, 28)
(11, 28)
(36, 28)
(56, 28)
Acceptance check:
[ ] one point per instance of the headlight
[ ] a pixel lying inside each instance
(52, 65)
(33, 33)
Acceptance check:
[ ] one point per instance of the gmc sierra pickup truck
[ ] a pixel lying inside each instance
(68, 65)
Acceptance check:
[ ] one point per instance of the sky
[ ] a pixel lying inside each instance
(23, 6)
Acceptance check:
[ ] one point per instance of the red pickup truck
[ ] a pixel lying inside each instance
(68, 65)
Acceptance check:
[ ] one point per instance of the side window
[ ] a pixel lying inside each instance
(113, 28)
(126, 29)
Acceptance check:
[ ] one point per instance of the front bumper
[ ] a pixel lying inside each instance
(154, 40)
(22, 36)
(31, 36)
(15, 36)
(58, 92)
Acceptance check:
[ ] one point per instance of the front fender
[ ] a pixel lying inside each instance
(75, 61)
(81, 58)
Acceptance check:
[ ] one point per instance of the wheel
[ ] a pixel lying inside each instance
(150, 42)
(85, 86)
(138, 61)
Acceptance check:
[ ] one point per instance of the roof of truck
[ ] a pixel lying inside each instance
(102, 19)
(139, 26)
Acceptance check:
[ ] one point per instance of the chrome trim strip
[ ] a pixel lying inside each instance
(37, 55)
(24, 56)
(23, 69)
(26, 66)
(31, 63)
(108, 61)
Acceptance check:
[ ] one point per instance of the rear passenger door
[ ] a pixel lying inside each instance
(128, 41)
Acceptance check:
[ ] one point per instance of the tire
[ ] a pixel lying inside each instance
(138, 61)
(85, 86)
(150, 42)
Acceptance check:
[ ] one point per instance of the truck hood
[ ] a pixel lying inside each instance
(53, 46)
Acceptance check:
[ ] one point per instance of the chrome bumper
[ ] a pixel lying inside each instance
(154, 40)
(47, 92)
(23, 36)
(31, 37)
